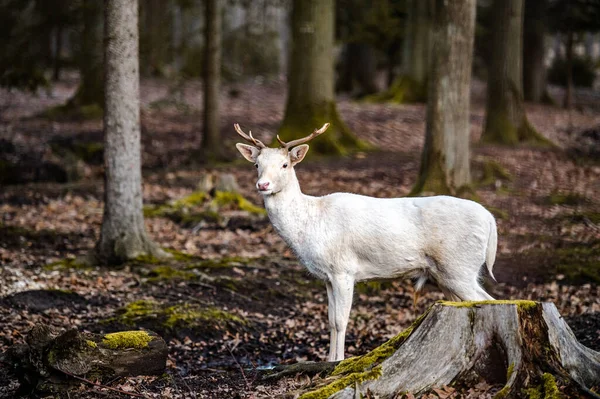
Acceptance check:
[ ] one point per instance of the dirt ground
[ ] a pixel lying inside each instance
(243, 301)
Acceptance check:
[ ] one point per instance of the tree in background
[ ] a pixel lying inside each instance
(155, 36)
(572, 18)
(534, 51)
(123, 235)
(371, 32)
(506, 121)
(411, 84)
(211, 138)
(311, 100)
(90, 92)
(445, 160)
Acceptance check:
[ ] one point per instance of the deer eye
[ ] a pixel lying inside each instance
(256, 165)
(285, 165)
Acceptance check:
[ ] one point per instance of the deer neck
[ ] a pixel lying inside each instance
(290, 212)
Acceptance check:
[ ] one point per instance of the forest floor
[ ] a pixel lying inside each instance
(238, 300)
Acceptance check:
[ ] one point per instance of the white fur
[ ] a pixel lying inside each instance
(344, 238)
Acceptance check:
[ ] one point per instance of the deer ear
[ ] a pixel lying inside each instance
(297, 154)
(249, 152)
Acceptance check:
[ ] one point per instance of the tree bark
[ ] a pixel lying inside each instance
(211, 138)
(123, 234)
(311, 100)
(534, 50)
(525, 345)
(445, 160)
(51, 361)
(506, 121)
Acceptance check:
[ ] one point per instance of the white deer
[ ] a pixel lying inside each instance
(344, 238)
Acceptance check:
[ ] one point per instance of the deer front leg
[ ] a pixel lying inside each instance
(332, 329)
(342, 289)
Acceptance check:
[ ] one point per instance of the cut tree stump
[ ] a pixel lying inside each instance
(54, 361)
(525, 345)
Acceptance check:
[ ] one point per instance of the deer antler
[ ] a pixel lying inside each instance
(248, 137)
(306, 139)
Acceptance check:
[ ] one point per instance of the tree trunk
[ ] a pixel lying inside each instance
(568, 102)
(51, 361)
(359, 70)
(211, 138)
(311, 100)
(524, 345)
(506, 122)
(123, 235)
(411, 85)
(155, 40)
(91, 88)
(534, 50)
(445, 162)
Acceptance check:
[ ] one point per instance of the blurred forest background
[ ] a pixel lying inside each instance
(123, 203)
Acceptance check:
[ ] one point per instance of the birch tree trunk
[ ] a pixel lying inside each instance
(445, 160)
(123, 235)
(211, 138)
(506, 121)
(311, 100)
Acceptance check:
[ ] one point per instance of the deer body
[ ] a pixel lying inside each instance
(343, 238)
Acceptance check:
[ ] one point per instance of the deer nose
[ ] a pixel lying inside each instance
(263, 186)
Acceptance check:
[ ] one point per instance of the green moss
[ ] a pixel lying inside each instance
(546, 390)
(522, 304)
(510, 371)
(570, 199)
(68, 264)
(175, 316)
(377, 355)
(189, 316)
(127, 340)
(91, 344)
(493, 171)
(162, 273)
(218, 263)
(338, 385)
(135, 311)
(148, 259)
(225, 198)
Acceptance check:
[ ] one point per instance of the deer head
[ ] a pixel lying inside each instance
(275, 165)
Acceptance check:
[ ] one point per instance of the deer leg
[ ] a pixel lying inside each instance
(332, 329)
(342, 289)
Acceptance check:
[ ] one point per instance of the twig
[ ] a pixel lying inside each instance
(137, 395)
(248, 386)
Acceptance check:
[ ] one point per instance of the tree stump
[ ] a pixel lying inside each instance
(524, 345)
(52, 361)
